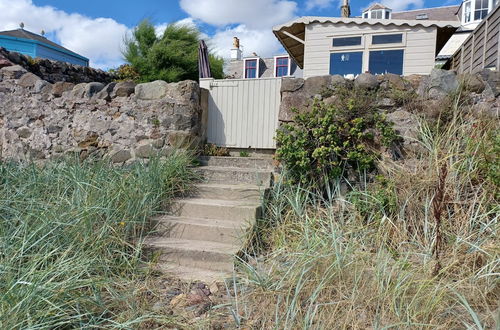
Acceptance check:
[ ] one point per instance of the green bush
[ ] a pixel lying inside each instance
(332, 139)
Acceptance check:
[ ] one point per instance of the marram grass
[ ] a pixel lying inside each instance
(67, 233)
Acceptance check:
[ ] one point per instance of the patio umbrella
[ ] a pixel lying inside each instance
(203, 62)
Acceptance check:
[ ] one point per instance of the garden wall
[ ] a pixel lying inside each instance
(122, 121)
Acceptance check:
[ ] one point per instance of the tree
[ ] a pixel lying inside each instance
(172, 57)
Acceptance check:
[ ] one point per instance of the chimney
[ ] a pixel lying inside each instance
(345, 10)
(236, 51)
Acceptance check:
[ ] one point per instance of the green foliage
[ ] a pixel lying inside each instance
(329, 140)
(70, 236)
(210, 149)
(125, 72)
(244, 154)
(172, 57)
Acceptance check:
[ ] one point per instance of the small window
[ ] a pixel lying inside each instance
(282, 66)
(348, 41)
(346, 63)
(387, 14)
(422, 16)
(481, 10)
(467, 11)
(376, 14)
(250, 69)
(386, 61)
(387, 39)
(365, 15)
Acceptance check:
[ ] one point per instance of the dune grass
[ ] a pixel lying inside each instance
(416, 249)
(70, 239)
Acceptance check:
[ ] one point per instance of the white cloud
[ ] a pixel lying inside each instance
(398, 5)
(99, 39)
(254, 14)
(311, 4)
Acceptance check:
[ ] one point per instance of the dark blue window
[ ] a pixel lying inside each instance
(386, 61)
(251, 69)
(387, 39)
(281, 66)
(346, 63)
(348, 41)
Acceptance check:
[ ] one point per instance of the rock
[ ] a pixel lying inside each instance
(28, 80)
(439, 84)
(121, 156)
(183, 140)
(151, 91)
(338, 81)
(366, 81)
(60, 87)
(145, 149)
(123, 89)
(291, 84)
(385, 103)
(12, 72)
(406, 124)
(317, 85)
(42, 86)
(414, 80)
(92, 89)
(474, 83)
(392, 81)
(486, 110)
(289, 101)
(5, 63)
(14, 57)
(23, 132)
(105, 93)
(492, 82)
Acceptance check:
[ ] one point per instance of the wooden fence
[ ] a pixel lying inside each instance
(481, 50)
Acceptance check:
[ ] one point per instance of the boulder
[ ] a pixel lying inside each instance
(145, 149)
(183, 140)
(12, 72)
(439, 84)
(473, 82)
(338, 81)
(60, 87)
(291, 84)
(121, 156)
(151, 91)
(5, 62)
(24, 132)
(392, 81)
(28, 80)
(289, 101)
(123, 89)
(92, 89)
(78, 91)
(105, 93)
(406, 124)
(414, 80)
(14, 57)
(366, 81)
(492, 83)
(317, 85)
(42, 86)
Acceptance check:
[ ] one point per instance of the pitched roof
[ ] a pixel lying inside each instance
(290, 33)
(376, 6)
(448, 13)
(24, 34)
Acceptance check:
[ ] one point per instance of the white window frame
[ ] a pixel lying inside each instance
(491, 6)
(368, 13)
(276, 63)
(387, 46)
(341, 49)
(257, 73)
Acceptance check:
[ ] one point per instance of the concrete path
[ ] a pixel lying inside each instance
(200, 236)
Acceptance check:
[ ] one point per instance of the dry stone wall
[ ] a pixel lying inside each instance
(123, 121)
(54, 71)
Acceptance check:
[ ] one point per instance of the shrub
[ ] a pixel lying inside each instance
(126, 72)
(330, 139)
(210, 149)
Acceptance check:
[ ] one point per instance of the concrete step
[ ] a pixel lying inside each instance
(212, 230)
(194, 274)
(189, 253)
(235, 175)
(238, 211)
(241, 162)
(229, 191)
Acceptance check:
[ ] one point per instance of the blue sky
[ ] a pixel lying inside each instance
(96, 28)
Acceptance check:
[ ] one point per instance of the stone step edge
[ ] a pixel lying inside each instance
(216, 202)
(205, 222)
(233, 169)
(190, 245)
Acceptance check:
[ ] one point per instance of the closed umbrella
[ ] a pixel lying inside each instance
(203, 61)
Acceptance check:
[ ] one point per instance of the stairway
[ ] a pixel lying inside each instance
(199, 237)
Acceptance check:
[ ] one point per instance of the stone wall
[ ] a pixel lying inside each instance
(122, 121)
(54, 71)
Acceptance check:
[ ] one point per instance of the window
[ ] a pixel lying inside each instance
(282, 67)
(347, 41)
(386, 61)
(422, 16)
(387, 14)
(346, 63)
(376, 14)
(251, 69)
(481, 9)
(365, 15)
(387, 39)
(467, 11)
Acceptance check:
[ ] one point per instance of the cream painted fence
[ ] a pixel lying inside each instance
(243, 113)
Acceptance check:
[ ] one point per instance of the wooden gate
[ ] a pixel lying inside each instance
(243, 113)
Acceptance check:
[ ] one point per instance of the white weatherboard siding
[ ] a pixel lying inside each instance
(418, 43)
(243, 113)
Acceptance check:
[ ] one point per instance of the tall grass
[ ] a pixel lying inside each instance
(70, 236)
(365, 259)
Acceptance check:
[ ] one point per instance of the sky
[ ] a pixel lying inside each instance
(97, 28)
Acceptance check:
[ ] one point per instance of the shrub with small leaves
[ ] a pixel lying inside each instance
(332, 139)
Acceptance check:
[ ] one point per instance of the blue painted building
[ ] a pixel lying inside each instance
(35, 45)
